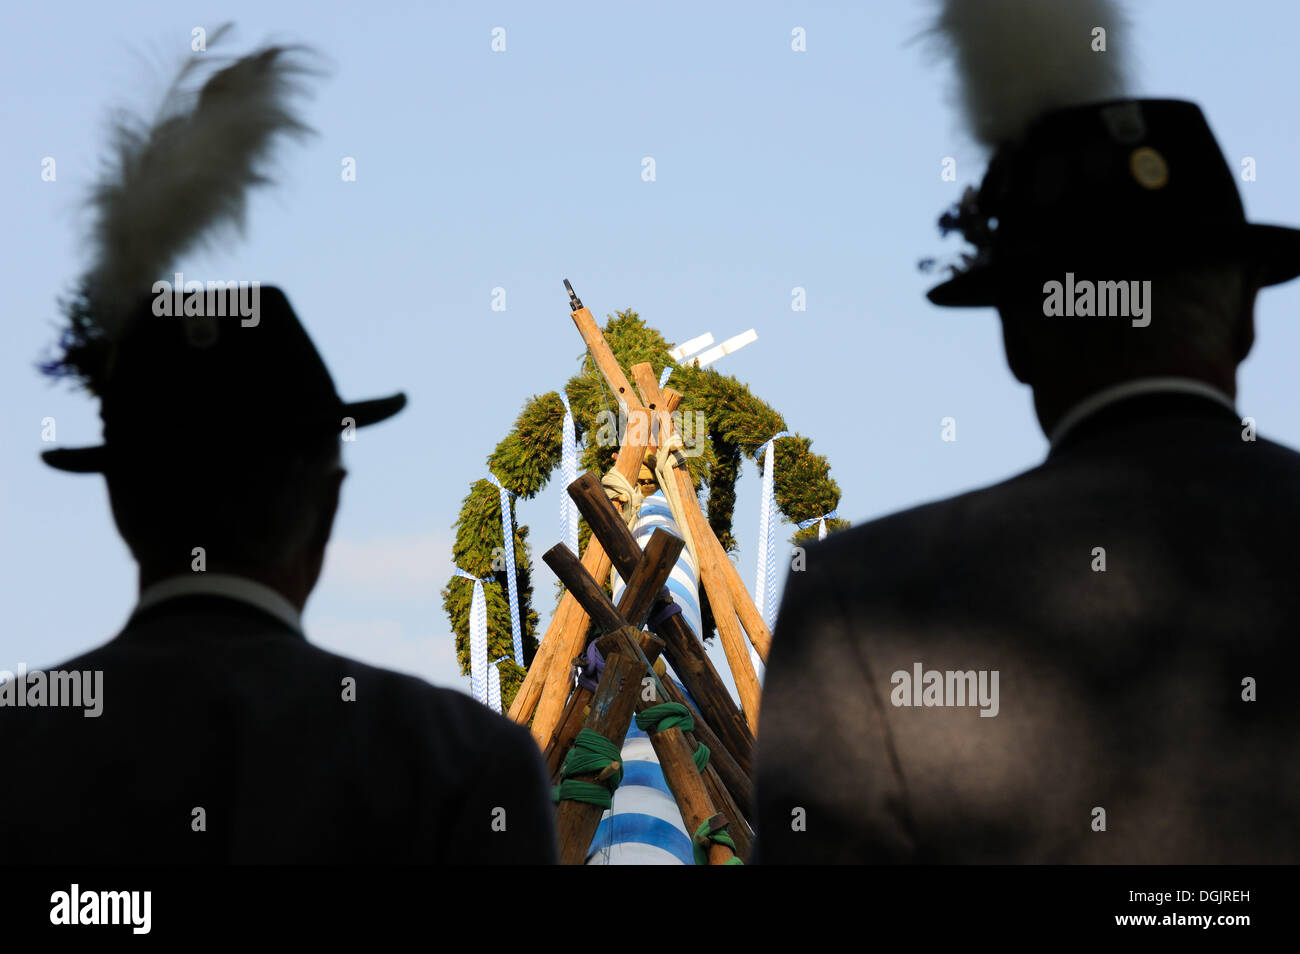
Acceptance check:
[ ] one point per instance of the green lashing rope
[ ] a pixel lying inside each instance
(666, 715)
(591, 753)
(722, 837)
(672, 715)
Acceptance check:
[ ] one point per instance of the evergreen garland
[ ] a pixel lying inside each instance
(736, 423)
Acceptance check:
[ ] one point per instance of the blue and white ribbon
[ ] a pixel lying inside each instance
(663, 378)
(478, 676)
(820, 521)
(765, 585)
(568, 474)
(508, 535)
(494, 684)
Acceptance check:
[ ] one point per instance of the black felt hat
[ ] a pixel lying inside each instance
(1125, 184)
(242, 377)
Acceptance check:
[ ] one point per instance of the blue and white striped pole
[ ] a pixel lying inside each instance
(644, 826)
(477, 638)
(508, 535)
(568, 474)
(683, 581)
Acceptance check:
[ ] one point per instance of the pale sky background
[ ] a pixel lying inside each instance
(477, 169)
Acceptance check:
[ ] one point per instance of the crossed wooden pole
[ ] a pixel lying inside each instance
(722, 794)
(630, 683)
(545, 688)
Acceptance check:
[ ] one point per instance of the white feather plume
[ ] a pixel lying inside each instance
(1017, 59)
(182, 179)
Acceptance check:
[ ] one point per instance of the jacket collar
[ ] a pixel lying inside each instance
(1097, 402)
(1147, 398)
(237, 588)
(1127, 389)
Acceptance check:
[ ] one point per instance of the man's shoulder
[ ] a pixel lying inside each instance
(416, 695)
(395, 697)
(259, 662)
(1107, 483)
(918, 534)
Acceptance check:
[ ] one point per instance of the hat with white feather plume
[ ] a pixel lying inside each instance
(1083, 176)
(179, 379)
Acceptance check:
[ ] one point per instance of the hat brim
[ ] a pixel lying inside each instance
(365, 413)
(94, 460)
(1274, 249)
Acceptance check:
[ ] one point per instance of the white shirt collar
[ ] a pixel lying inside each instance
(222, 584)
(1118, 392)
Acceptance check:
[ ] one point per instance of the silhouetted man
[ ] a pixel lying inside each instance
(209, 728)
(1089, 662)
(222, 734)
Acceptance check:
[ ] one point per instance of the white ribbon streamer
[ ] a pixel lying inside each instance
(478, 686)
(512, 583)
(765, 584)
(568, 474)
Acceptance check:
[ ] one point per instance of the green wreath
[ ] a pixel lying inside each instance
(736, 423)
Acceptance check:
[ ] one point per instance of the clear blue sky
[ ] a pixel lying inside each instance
(477, 169)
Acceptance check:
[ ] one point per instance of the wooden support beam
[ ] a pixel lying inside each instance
(692, 797)
(685, 653)
(546, 685)
(708, 553)
(606, 524)
(741, 831)
(756, 629)
(733, 778)
(760, 637)
(579, 705)
(647, 580)
(683, 649)
(670, 402)
(610, 716)
(606, 363)
(698, 795)
(726, 785)
(733, 637)
(585, 590)
(629, 608)
(575, 715)
(639, 594)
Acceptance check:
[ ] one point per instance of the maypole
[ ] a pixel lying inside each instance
(633, 455)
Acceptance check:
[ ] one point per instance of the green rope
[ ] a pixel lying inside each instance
(591, 753)
(666, 715)
(701, 756)
(722, 837)
(672, 715)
